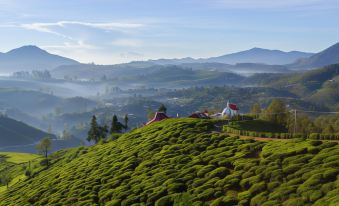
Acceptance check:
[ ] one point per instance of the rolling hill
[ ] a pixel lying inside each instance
(31, 58)
(182, 162)
(323, 58)
(13, 132)
(317, 86)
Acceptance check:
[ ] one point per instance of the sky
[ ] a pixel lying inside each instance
(118, 31)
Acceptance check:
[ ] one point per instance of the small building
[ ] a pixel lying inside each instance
(158, 116)
(230, 110)
(200, 115)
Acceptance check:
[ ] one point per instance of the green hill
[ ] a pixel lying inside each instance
(184, 161)
(13, 132)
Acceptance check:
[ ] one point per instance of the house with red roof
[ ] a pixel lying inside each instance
(200, 115)
(230, 110)
(158, 116)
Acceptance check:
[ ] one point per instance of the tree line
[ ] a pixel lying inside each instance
(98, 132)
(296, 122)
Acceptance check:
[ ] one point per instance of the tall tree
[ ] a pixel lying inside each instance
(276, 112)
(93, 133)
(162, 108)
(103, 130)
(115, 125)
(44, 147)
(5, 177)
(126, 121)
(256, 110)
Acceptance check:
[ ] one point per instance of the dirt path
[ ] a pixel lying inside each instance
(264, 139)
(261, 138)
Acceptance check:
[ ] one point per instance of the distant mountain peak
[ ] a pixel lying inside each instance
(31, 57)
(27, 48)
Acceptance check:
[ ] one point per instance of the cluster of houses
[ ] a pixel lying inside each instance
(229, 111)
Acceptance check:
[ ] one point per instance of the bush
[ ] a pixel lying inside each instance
(219, 172)
(207, 194)
(44, 162)
(203, 171)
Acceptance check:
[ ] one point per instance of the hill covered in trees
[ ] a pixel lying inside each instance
(13, 132)
(185, 161)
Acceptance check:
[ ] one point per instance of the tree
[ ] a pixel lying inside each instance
(115, 125)
(276, 112)
(103, 130)
(93, 133)
(328, 129)
(162, 108)
(5, 177)
(44, 147)
(126, 121)
(256, 110)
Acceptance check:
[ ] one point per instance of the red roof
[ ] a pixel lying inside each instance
(158, 116)
(199, 115)
(233, 106)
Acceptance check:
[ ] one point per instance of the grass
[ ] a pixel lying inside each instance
(18, 158)
(257, 126)
(183, 161)
(15, 180)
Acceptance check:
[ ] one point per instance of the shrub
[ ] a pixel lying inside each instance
(207, 194)
(203, 171)
(219, 172)
(258, 187)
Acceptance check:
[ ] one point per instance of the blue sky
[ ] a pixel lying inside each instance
(115, 31)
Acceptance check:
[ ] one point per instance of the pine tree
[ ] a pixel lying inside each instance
(93, 133)
(126, 121)
(115, 125)
(103, 130)
(162, 108)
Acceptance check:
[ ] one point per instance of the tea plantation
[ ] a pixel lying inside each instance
(183, 162)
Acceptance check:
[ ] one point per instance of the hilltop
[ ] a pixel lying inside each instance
(31, 58)
(185, 161)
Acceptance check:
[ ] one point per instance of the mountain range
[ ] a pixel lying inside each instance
(34, 58)
(254, 55)
(31, 58)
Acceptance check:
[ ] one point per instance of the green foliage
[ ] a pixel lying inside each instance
(162, 108)
(276, 112)
(183, 162)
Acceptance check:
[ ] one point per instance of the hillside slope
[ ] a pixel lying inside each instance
(318, 86)
(323, 58)
(13, 132)
(181, 160)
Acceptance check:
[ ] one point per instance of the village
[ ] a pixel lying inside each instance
(231, 110)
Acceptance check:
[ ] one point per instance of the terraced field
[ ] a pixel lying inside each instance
(183, 162)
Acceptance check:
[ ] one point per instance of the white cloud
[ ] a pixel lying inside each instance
(127, 42)
(47, 27)
(70, 46)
